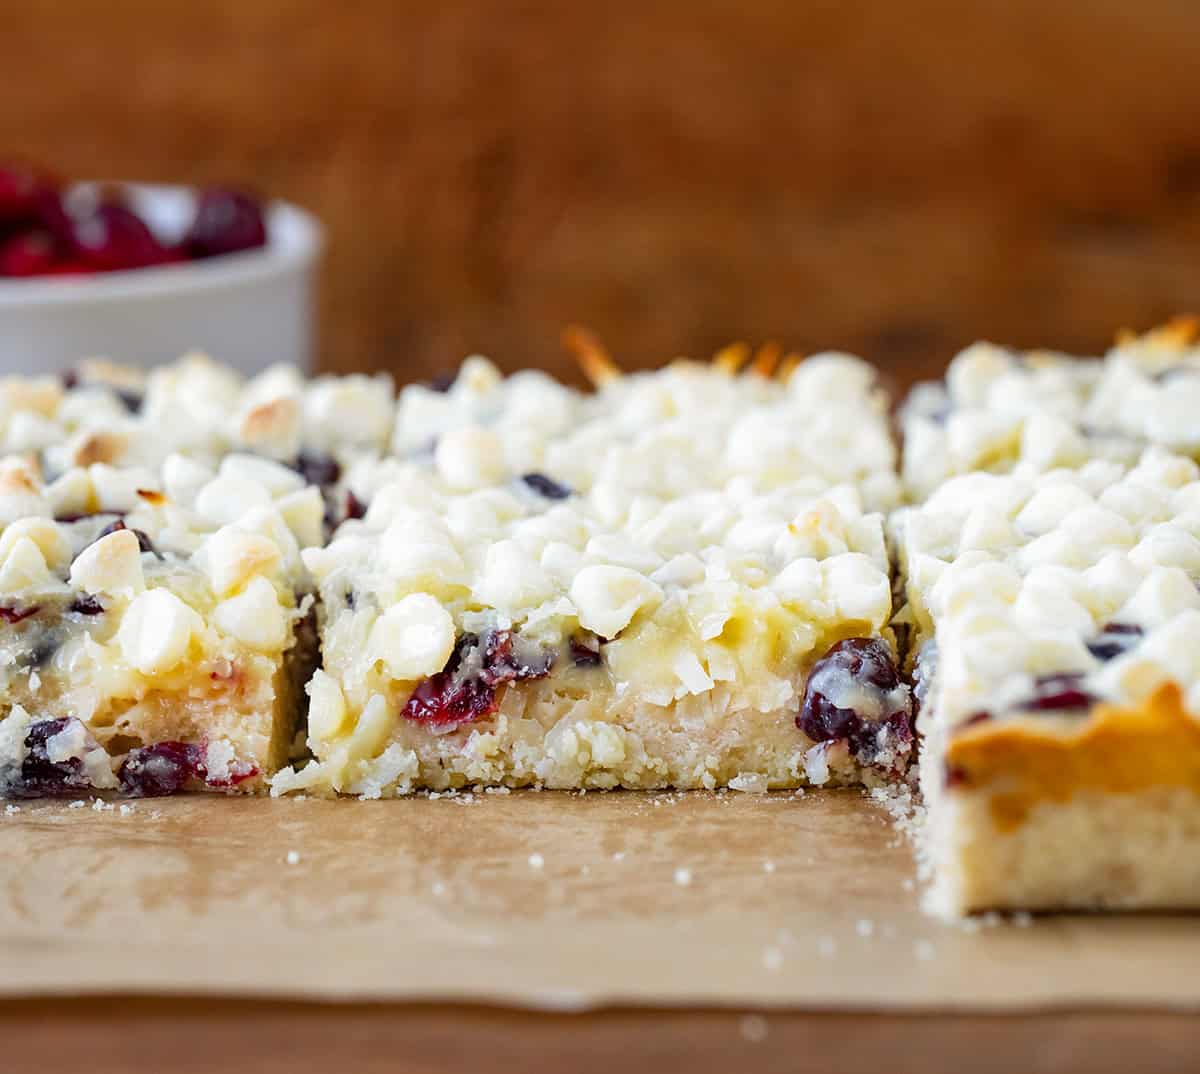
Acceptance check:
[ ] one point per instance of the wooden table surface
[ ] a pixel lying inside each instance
(165, 1036)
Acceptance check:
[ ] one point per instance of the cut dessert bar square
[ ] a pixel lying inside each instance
(665, 584)
(1000, 410)
(1056, 645)
(154, 631)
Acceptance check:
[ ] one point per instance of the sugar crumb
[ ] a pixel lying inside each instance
(753, 1027)
(768, 866)
(536, 861)
(865, 927)
(924, 950)
(293, 857)
(11, 810)
(826, 947)
(437, 889)
(619, 856)
(126, 810)
(77, 804)
(772, 959)
(683, 877)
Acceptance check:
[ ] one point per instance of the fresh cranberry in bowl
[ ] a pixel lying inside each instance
(111, 238)
(227, 222)
(21, 192)
(28, 253)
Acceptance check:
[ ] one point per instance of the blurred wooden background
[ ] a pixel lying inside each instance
(895, 178)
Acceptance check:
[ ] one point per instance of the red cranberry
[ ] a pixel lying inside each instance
(954, 776)
(86, 604)
(20, 188)
(28, 253)
(355, 508)
(42, 776)
(111, 237)
(143, 538)
(1115, 639)
(52, 215)
(444, 703)
(1059, 692)
(317, 468)
(546, 487)
(14, 614)
(866, 665)
(161, 769)
(585, 650)
(465, 690)
(226, 221)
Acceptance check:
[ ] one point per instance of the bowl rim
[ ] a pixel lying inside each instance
(294, 239)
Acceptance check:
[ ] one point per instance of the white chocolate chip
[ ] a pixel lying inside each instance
(276, 478)
(413, 638)
(156, 631)
(231, 556)
(49, 538)
(113, 564)
(226, 499)
(254, 617)
(512, 579)
(471, 457)
(608, 597)
(24, 567)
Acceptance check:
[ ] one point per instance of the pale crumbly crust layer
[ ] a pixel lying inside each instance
(563, 735)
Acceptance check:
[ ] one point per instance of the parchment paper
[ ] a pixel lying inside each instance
(547, 899)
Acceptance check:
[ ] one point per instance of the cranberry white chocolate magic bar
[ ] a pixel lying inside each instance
(680, 578)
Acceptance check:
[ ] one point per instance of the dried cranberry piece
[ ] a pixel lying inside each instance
(28, 253)
(585, 650)
(13, 614)
(226, 222)
(954, 776)
(443, 702)
(355, 508)
(161, 769)
(111, 237)
(131, 401)
(143, 539)
(86, 604)
(466, 688)
(1059, 692)
(507, 659)
(317, 468)
(42, 776)
(1115, 639)
(546, 486)
(441, 382)
(864, 666)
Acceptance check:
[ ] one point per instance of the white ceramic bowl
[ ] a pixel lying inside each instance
(248, 309)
